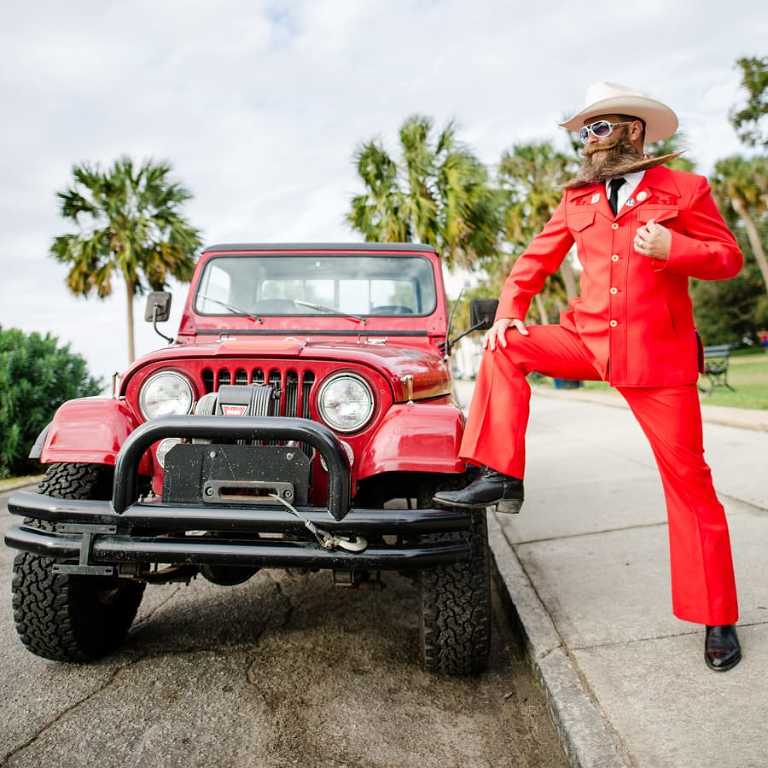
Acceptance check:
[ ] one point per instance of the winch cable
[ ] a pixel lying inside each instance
(325, 539)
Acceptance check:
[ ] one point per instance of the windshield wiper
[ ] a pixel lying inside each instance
(232, 308)
(330, 310)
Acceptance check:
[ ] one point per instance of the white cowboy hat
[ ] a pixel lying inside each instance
(611, 98)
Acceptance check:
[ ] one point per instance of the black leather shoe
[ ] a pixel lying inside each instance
(721, 647)
(490, 489)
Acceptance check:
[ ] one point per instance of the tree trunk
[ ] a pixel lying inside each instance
(129, 308)
(542, 311)
(568, 274)
(753, 236)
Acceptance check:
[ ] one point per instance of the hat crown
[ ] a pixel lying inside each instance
(604, 89)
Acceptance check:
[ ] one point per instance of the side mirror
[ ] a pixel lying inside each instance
(158, 307)
(482, 312)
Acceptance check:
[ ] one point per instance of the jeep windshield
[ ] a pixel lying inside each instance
(345, 284)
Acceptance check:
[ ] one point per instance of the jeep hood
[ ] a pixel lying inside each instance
(431, 377)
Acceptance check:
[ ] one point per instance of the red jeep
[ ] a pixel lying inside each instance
(302, 418)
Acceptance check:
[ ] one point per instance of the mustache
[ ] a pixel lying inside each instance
(590, 149)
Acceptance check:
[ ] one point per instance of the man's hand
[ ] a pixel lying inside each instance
(653, 240)
(498, 330)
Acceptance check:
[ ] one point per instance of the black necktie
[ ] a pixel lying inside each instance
(613, 196)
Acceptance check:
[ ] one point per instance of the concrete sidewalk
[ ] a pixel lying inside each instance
(586, 565)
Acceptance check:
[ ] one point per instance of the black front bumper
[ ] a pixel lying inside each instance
(99, 536)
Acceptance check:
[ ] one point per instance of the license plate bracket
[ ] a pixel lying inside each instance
(235, 474)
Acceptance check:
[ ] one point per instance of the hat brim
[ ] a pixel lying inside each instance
(660, 121)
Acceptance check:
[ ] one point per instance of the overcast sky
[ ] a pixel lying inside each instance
(260, 105)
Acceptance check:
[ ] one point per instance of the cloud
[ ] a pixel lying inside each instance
(259, 106)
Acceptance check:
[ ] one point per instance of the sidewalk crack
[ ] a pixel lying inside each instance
(659, 637)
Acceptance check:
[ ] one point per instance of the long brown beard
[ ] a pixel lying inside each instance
(602, 161)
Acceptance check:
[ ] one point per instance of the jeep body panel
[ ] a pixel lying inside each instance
(91, 430)
(415, 438)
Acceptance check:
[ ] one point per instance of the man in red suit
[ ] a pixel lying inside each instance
(641, 230)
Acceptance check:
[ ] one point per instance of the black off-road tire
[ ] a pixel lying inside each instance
(71, 617)
(455, 606)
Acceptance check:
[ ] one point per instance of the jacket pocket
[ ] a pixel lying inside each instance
(580, 220)
(658, 214)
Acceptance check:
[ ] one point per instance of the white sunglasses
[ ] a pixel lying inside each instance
(600, 128)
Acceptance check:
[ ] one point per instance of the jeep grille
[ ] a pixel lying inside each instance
(293, 387)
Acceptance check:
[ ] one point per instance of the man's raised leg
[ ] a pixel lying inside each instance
(494, 435)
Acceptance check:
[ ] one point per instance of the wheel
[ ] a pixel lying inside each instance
(70, 617)
(455, 606)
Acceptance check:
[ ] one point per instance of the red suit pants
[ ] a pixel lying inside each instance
(703, 583)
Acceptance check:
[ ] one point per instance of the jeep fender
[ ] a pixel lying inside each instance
(415, 437)
(90, 430)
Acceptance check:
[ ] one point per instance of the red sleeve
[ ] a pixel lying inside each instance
(540, 259)
(708, 250)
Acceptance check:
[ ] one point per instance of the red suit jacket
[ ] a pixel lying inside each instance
(634, 311)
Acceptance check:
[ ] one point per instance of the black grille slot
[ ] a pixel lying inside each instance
(291, 393)
(306, 386)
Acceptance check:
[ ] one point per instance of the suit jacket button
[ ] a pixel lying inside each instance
(614, 290)
(613, 323)
(615, 225)
(615, 257)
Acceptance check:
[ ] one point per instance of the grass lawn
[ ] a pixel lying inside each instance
(12, 482)
(748, 375)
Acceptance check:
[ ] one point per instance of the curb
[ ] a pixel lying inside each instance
(586, 736)
(713, 414)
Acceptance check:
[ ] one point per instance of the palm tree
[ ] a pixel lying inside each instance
(741, 185)
(129, 222)
(439, 194)
(531, 177)
(380, 212)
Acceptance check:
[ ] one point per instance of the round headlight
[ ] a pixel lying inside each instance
(345, 402)
(165, 394)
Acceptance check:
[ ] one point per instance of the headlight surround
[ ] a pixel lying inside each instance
(345, 402)
(166, 393)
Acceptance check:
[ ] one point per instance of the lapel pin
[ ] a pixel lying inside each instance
(630, 201)
(642, 196)
(596, 198)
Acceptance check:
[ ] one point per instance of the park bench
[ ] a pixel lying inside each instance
(716, 360)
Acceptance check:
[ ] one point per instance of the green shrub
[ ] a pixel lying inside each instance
(36, 377)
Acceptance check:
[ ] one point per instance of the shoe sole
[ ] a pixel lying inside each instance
(507, 506)
(725, 667)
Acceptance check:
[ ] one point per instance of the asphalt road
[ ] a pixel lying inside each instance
(283, 670)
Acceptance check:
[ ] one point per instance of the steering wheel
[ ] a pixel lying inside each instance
(391, 309)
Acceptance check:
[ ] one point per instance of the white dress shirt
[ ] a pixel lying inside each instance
(626, 189)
